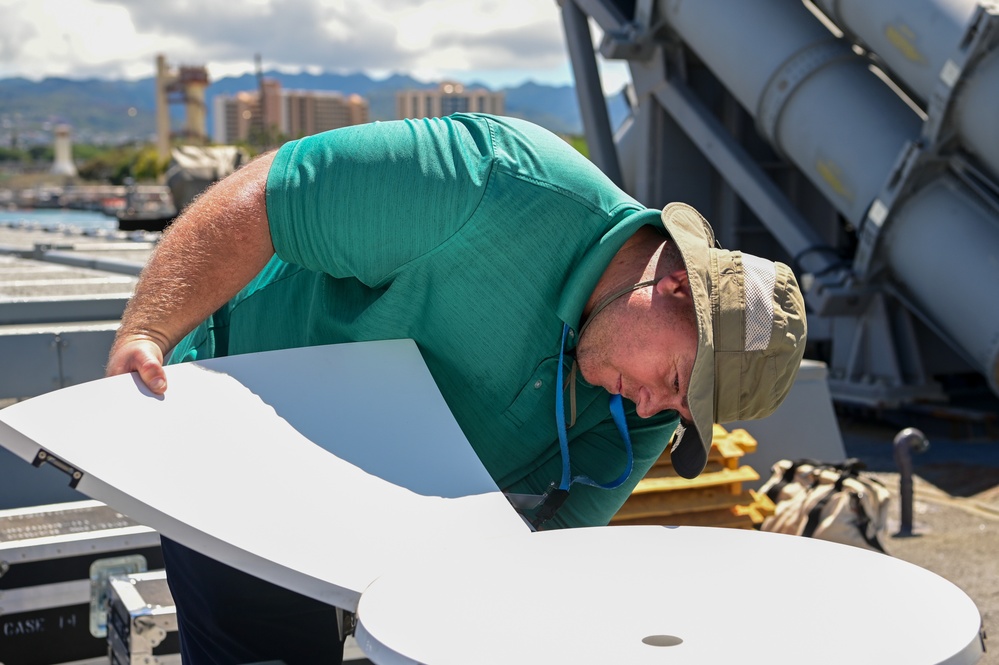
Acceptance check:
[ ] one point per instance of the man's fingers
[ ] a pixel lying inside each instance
(143, 357)
(152, 374)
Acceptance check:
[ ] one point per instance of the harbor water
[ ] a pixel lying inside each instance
(57, 219)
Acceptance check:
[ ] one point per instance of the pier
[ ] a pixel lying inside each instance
(103, 198)
(62, 292)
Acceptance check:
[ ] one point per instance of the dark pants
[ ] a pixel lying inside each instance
(227, 616)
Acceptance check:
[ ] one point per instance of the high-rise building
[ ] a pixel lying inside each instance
(308, 112)
(233, 117)
(284, 114)
(448, 98)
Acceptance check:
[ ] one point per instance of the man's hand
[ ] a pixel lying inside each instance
(216, 246)
(142, 355)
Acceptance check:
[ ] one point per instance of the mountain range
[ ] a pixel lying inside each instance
(116, 111)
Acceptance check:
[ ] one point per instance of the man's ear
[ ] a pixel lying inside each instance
(675, 284)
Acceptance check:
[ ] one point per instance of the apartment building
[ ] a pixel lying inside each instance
(283, 114)
(448, 98)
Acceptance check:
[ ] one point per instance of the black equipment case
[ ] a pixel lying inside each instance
(142, 621)
(55, 561)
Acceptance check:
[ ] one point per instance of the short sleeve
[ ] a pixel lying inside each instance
(363, 201)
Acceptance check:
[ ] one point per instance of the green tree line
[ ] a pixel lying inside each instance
(94, 163)
(140, 162)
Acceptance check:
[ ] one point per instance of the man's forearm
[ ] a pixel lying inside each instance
(208, 254)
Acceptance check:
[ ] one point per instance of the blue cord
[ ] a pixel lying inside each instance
(617, 413)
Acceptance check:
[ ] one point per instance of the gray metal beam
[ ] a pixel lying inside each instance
(31, 364)
(64, 308)
(605, 14)
(40, 359)
(592, 105)
(118, 266)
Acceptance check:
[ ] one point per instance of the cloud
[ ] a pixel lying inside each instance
(398, 35)
(491, 39)
(68, 38)
(302, 32)
(530, 47)
(14, 34)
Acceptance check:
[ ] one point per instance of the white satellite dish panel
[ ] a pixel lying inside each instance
(313, 468)
(652, 594)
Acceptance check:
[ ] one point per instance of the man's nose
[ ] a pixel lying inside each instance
(665, 402)
(656, 404)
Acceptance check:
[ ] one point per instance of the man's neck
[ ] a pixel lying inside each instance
(635, 262)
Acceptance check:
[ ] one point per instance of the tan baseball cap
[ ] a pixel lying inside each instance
(750, 334)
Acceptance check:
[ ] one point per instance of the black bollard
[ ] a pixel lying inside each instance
(908, 441)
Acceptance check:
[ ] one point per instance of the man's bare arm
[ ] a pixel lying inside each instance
(207, 255)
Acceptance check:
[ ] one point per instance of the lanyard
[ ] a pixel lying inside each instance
(555, 497)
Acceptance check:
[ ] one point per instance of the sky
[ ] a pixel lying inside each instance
(501, 43)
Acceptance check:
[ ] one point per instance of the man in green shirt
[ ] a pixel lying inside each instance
(569, 328)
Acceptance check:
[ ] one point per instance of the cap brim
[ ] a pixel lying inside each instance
(694, 238)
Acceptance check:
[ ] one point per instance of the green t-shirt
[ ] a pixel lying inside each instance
(476, 236)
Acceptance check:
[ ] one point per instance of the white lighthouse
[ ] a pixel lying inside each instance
(63, 163)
